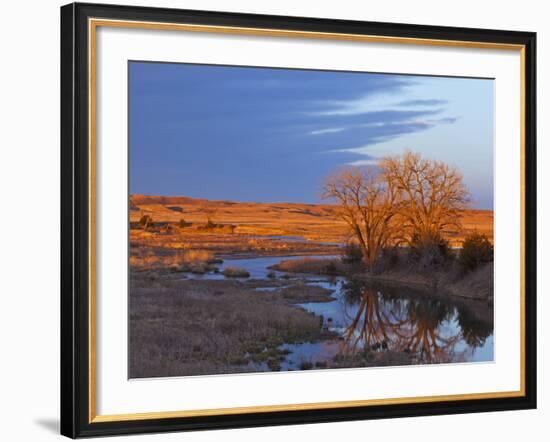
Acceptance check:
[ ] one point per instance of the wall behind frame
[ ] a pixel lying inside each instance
(29, 225)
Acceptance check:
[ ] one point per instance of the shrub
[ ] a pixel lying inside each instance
(390, 256)
(429, 250)
(235, 272)
(331, 269)
(476, 250)
(306, 365)
(388, 259)
(145, 221)
(307, 265)
(226, 228)
(199, 268)
(194, 255)
(274, 364)
(351, 254)
(183, 224)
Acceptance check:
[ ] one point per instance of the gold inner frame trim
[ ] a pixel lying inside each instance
(93, 24)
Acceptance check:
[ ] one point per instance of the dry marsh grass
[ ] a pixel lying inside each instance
(221, 243)
(235, 272)
(314, 266)
(197, 256)
(182, 328)
(147, 259)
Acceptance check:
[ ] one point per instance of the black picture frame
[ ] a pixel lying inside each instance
(75, 219)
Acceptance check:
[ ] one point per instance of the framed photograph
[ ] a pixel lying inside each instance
(274, 220)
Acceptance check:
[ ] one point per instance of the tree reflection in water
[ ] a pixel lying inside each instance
(430, 330)
(474, 331)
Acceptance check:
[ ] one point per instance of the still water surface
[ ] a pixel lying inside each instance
(431, 329)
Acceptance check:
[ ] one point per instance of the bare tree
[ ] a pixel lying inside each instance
(405, 199)
(432, 193)
(368, 203)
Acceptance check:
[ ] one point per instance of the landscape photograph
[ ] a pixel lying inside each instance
(289, 220)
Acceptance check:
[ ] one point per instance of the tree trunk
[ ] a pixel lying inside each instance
(362, 245)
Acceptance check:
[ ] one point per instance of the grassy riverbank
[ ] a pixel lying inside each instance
(196, 327)
(475, 285)
(446, 280)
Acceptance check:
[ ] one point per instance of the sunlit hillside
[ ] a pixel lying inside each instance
(314, 222)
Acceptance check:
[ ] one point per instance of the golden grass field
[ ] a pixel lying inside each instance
(314, 222)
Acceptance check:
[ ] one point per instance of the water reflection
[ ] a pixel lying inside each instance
(474, 331)
(429, 330)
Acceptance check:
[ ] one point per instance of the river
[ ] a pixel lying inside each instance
(429, 329)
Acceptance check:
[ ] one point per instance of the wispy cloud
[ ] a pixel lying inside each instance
(370, 106)
(372, 151)
(377, 118)
(412, 122)
(330, 130)
(407, 98)
(429, 122)
(397, 124)
(446, 120)
(420, 103)
(365, 162)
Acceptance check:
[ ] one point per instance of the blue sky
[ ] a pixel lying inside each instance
(273, 135)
